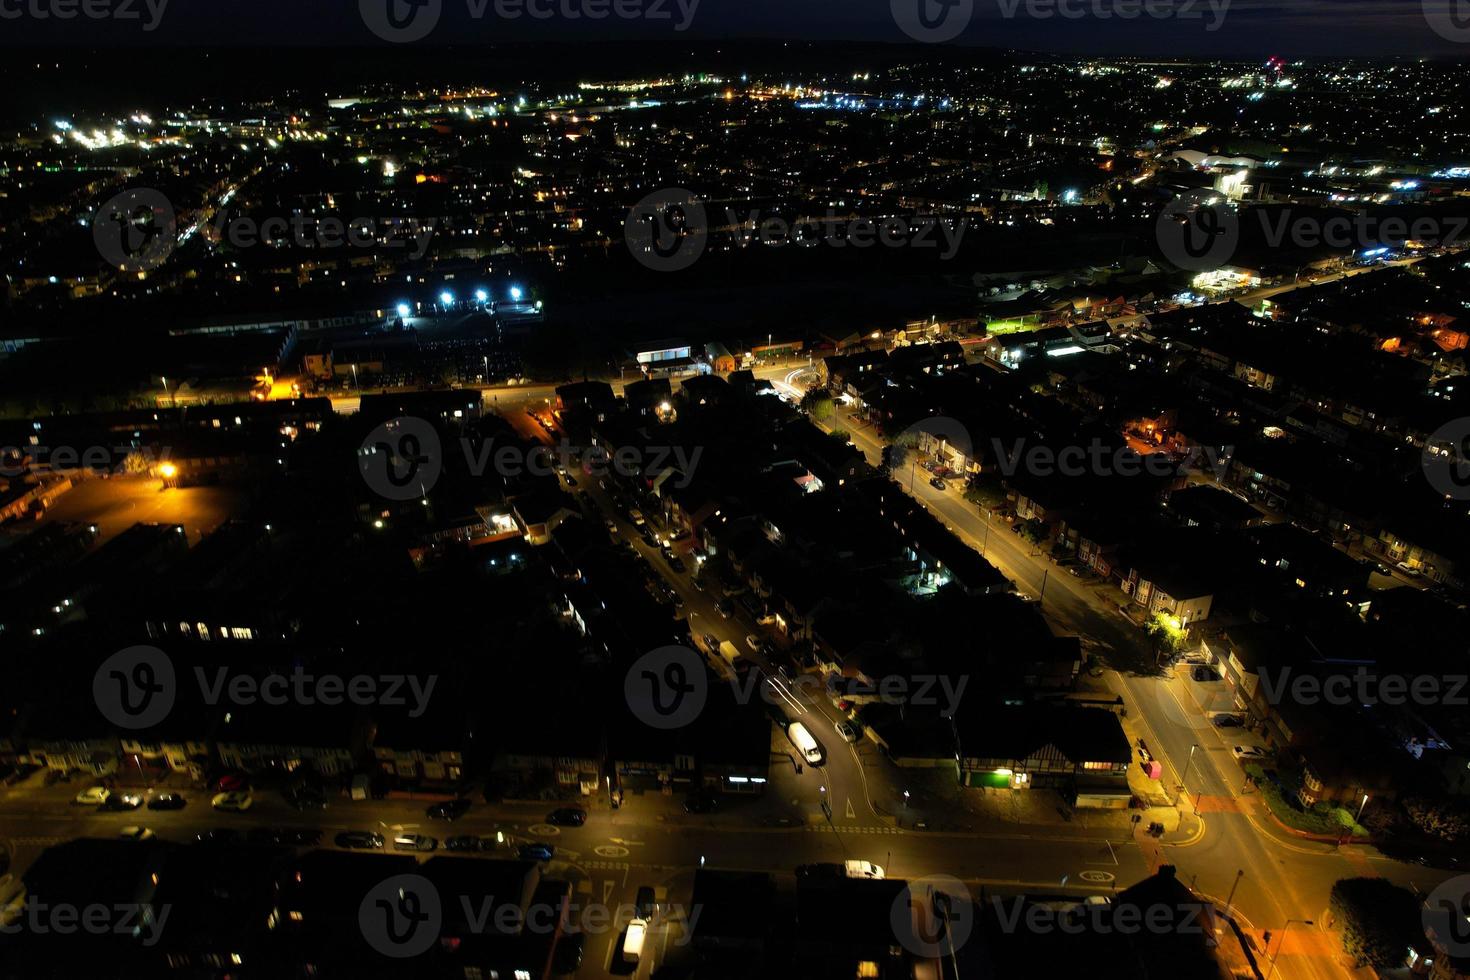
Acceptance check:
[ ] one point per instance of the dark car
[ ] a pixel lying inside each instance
(464, 842)
(821, 871)
(677, 564)
(567, 816)
(121, 801)
(1227, 721)
(219, 835)
(725, 608)
(231, 782)
(359, 840)
(938, 484)
(1204, 674)
(644, 907)
(306, 798)
(167, 801)
(449, 809)
(568, 956)
(535, 852)
(700, 801)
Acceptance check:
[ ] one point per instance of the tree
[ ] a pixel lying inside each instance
(1439, 818)
(1379, 921)
(1166, 634)
(985, 490)
(895, 457)
(818, 404)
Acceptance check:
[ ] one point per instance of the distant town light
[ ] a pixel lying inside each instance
(446, 297)
(481, 296)
(515, 294)
(404, 309)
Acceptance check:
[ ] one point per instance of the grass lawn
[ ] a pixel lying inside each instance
(1323, 818)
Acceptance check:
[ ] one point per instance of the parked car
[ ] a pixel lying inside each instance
(753, 641)
(167, 801)
(567, 816)
(824, 870)
(135, 833)
(306, 798)
(863, 869)
(1227, 721)
(463, 842)
(359, 840)
(230, 782)
(1250, 753)
(218, 835)
(117, 802)
(633, 940)
(535, 852)
(1204, 674)
(846, 731)
(414, 842)
(450, 810)
(644, 907)
(1409, 570)
(938, 484)
(612, 526)
(236, 802)
(570, 948)
(725, 608)
(700, 801)
(92, 796)
(677, 564)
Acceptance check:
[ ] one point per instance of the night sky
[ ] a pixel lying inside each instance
(1248, 28)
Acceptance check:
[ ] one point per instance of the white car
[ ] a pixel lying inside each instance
(1250, 752)
(633, 941)
(863, 869)
(234, 802)
(846, 731)
(93, 796)
(135, 833)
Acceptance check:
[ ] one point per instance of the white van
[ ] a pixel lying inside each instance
(809, 747)
(633, 941)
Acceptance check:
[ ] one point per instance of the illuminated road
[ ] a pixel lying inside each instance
(1283, 876)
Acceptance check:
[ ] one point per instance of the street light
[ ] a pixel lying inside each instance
(404, 310)
(515, 294)
(1305, 922)
(481, 296)
(446, 298)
